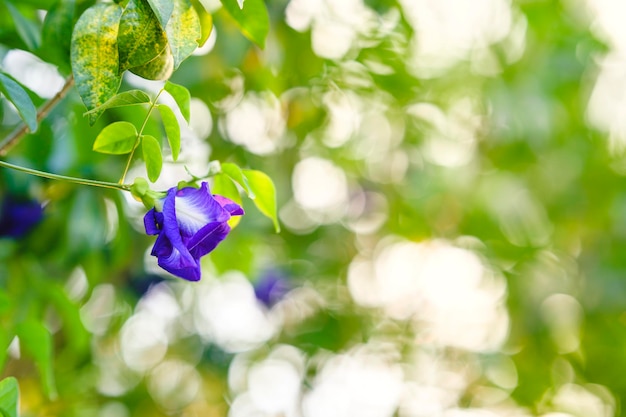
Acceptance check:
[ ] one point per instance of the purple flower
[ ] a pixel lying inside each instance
(190, 224)
(19, 216)
(271, 287)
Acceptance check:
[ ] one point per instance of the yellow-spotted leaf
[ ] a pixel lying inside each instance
(252, 18)
(141, 38)
(16, 94)
(94, 55)
(160, 68)
(172, 129)
(265, 194)
(181, 96)
(151, 150)
(183, 30)
(116, 139)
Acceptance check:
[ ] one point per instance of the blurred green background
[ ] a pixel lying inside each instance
(451, 191)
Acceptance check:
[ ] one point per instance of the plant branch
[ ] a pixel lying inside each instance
(17, 135)
(93, 183)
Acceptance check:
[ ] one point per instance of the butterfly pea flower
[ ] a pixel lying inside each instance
(271, 287)
(18, 216)
(189, 223)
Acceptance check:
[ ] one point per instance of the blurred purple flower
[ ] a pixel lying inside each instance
(271, 287)
(190, 223)
(18, 216)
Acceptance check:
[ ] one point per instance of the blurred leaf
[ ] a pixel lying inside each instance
(172, 129)
(162, 9)
(6, 337)
(28, 30)
(253, 19)
(183, 31)
(16, 94)
(94, 55)
(181, 96)
(141, 38)
(236, 174)
(152, 156)
(263, 187)
(117, 139)
(9, 397)
(126, 98)
(36, 340)
(160, 68)
(223, 185)
(77, 335)
(39, 4)
(57, 34)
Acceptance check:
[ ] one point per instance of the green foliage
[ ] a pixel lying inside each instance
(149, 38)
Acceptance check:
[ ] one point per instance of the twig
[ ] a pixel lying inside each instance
(17, 135)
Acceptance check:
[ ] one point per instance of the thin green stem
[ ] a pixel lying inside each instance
(93, 183)
(143, 125)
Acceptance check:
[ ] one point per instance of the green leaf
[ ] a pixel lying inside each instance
(94, 55)
(265, 191)
(141, 38)
(16, 94)
(253, 19)
(9, 397)
(57, 34)
(26, 29)
(181, 96)
(117, 139)
(172, 129)
(126, 98)
(36, 340)
(183, 31)
(236, 174)
(162, 9)
(151, 150)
